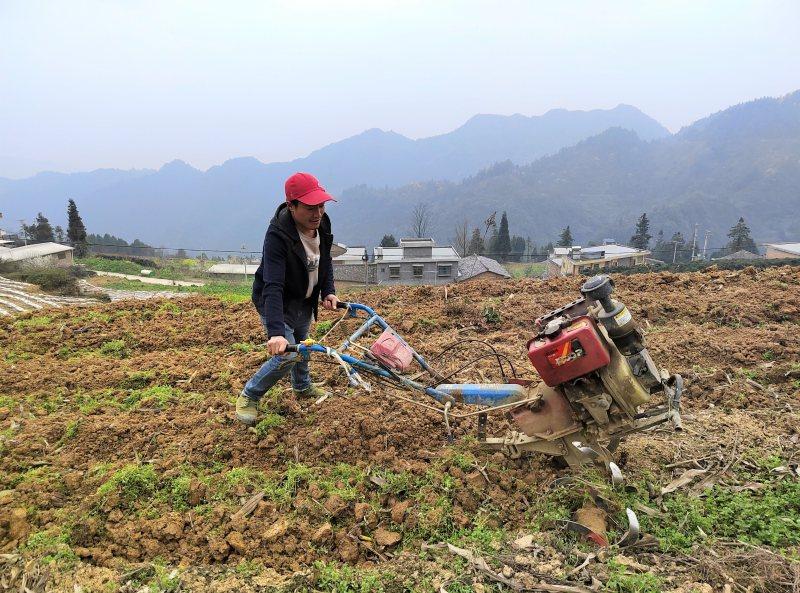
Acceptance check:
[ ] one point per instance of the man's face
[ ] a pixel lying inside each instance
(307, 217)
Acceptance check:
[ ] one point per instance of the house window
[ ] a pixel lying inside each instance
(394, 271)
(417, 270)
(444, 270)
(62, 255)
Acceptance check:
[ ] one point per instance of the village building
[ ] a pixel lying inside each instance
(351, 266)
(782, 250)
(575, 260)
(415, 261)
(479, 267)
(39, 254)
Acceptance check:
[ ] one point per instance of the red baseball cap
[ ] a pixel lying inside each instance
(305, 188)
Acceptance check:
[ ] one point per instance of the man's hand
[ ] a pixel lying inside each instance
(330, 301)
(277, 345)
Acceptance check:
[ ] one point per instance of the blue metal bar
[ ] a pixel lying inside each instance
(375, 370)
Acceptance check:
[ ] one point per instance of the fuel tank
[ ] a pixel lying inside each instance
(560, 354)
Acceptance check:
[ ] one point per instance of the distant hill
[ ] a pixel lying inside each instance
(227, 205)
(744, 161)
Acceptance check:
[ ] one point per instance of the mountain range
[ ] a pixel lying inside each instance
(229, 204)
(596, 171)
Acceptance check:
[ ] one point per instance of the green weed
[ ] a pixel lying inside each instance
(322, 328)
(33, 322)
(70, 430)
(243, 347)
(249, 568)
(169, 307)
(134, 481)
(137, 379)
(51, 546)
(346, 579)
(491, 315)
(267, 423)
(621, 582)
(115, 349)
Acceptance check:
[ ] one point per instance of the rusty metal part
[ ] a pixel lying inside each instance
(548, 418)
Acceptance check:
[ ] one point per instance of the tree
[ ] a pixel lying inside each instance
(420, 220)
(565, 238)
(662, 250)
(76, 231)
(518, 248)
(58, 233)
(641, 238)
(388, 241)
(181, 254)
(41, 231)
(461, 238)
(740, 238)
(679, 251)
(502, 245)
(476, 246)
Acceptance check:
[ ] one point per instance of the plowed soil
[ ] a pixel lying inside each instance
(123, 467)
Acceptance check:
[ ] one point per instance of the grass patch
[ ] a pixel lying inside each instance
(134, 481)
(115, 349)
(268, 422)
(158, 396)
(322, 328)
(243, 347)
(70, 431)
(137, 379)
(33, 322)
(51, 546)
(620, 581)
(346, 579)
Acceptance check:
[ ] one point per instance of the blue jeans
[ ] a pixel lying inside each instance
(276, 367)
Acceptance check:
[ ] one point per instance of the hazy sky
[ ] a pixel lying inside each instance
(138, 83)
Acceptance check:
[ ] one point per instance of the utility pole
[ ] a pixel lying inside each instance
(365, 259)
(675, 251)
(705, 243)
(694, 241)
(244, 260)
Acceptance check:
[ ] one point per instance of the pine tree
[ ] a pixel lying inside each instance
(476, 246)
(388, 241)
(662, 250)
(565, 238)
(641, 238)
(502, 247)
(42, 231)
(76, 231)
(518, 246)
(740, 238)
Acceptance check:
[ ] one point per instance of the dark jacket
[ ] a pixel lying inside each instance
(281, 282)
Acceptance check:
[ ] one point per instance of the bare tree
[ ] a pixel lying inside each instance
(420, 220)
(461, 238)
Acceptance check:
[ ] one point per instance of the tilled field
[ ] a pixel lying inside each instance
(123, 469)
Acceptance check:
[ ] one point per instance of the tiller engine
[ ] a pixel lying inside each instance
(597, 380)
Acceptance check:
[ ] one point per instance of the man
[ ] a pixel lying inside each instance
(295, 273)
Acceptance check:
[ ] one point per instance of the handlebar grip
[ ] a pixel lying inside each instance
(341, 305)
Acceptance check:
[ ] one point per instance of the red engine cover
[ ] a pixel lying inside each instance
(577, 350)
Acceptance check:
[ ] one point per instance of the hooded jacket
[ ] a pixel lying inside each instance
(281, 281)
